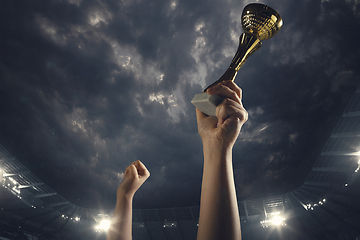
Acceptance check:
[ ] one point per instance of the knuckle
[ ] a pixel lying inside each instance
(234, 95)
(245, 115)
(226, 101)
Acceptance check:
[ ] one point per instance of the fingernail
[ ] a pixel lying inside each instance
(210, 89)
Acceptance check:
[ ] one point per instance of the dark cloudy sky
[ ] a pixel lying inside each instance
(88, 86)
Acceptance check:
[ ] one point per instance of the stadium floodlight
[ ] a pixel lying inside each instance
(277, 220)
(11, 184)
(312, 206)
(15, 190)
(13, 181)
(273, 219)
(169, 224)
(358, 168)
(103, 225)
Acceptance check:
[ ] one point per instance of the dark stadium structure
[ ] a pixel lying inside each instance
(325, 206)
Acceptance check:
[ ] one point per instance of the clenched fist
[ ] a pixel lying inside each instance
(135, 175)
(230, 116)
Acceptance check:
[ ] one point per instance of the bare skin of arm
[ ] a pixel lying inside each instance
(219, 214)
(121, 222)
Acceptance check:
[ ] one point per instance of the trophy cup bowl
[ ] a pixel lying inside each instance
(260, 22)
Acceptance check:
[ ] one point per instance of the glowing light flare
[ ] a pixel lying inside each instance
(103, 225)
(277, 220)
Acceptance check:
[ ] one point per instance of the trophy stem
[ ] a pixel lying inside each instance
(248, 44)
(260, 22)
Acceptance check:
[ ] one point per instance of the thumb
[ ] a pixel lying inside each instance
(222, 114)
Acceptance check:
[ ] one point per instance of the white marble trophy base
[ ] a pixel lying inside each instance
(206, 103)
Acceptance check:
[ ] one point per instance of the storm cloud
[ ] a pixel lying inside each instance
(87, 87)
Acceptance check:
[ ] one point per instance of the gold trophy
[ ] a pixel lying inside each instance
(260, 22)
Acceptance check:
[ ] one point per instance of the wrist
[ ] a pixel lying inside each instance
(217, 151)
(219, 146)
(124, 196)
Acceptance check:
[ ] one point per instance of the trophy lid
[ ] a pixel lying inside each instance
(261, 21)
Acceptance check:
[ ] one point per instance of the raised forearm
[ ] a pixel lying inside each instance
(121, 222)
(219, 215)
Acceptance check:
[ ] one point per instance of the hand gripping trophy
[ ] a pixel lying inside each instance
(260, 22)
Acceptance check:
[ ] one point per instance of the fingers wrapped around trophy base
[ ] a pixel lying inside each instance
(206, 103)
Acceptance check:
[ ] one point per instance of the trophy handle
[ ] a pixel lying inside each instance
(248, 44)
